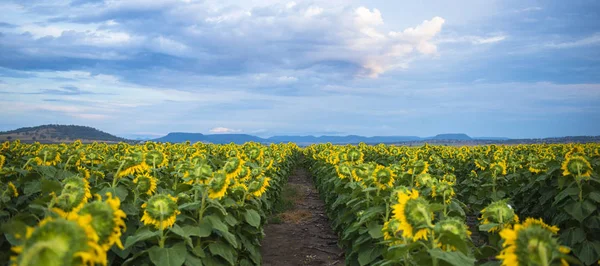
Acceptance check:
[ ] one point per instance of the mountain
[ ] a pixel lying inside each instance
(58, 133)
(452, 136)
(176, 137)
(341, 139)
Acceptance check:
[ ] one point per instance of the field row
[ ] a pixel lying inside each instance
(162, 204)
(438, 205)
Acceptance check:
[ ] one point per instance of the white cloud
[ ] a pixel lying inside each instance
(528, 9)
(221, 130)
(591, 40)
(476, 40)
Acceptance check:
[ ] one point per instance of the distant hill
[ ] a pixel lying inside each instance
(214, 138)
(341, 139)
(58, 133)
(455, 136)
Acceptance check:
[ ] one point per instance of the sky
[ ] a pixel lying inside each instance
(144, 68)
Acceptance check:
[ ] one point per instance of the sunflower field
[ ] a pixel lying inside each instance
(151, 204)
(481, 205)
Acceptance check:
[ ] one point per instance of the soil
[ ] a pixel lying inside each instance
(302, 234)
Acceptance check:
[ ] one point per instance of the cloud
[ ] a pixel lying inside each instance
(528, 9)
(200, 38)
(221, 130)
(476, 40)
(587, 41)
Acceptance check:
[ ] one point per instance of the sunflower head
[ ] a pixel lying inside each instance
(233, 166)
(145, 183)
(391, 232)
(342, 156)
(498, 169)
(12, 190)
(450, 178)
(500, 214)
(259, 186)
(48, 156)
(355, 155)
(75, 193)
(414, 215)
(59, 241)
(218, 185)
(443, 190)
(424, 179)
(161, 211)
(344, 170)
(449, 229)
(107, 220)
(418, 167)
(2, 160)
(577, 166)
(155, 158)
(531, 244)
(383, 177)
(254, 153)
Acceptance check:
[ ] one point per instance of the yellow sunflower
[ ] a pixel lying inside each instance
(161, 211)
(107, 220)
(413, 213)
(533, 243)
(383, 177)
(12, 189)
(217, 187)
(61, 241)
(577, 166)
(499, 213)
(145, 183)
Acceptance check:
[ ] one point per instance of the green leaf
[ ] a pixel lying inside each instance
(173, 256)
(32, 187)
(368, 254)
(454, 258)
(588, 252)
(375, 230)
(223, 250)
(191, 260)
(487, 227)
(252, 217)
(595, 196)
(572, 236)
(140, 235)
(203, 230)
(570, 191)
(49, 186)
(222, 228)
(580, 210)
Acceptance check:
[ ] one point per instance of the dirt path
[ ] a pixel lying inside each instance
(300, 234)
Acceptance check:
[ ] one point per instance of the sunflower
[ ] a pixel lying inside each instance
(161, 211)
(258, 187)
(449, 229)
(60, 241)
(233, 166)
(390, 230)
(532, 243)
(498, 168)
(424, 179)
(83, 172)
(74, 195)
(134, 164)
(413, 213)
(255, 153)
(355, 155)
(12, 190)
(217, 187)
(344, 170)
(107, 220)
(2, 160)
(480, 164)
(418, 168)
(383, 177)
(48, 156)
(444, 190)
(577, 166)
(531, 221)
(156, 159)
(499, 213)
(145, 183)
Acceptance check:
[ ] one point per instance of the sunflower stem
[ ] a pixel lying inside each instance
(114, 183)
(67, 163)
(202, 206)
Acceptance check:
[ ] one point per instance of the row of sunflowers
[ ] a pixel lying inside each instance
(122, 204)
(481, 205)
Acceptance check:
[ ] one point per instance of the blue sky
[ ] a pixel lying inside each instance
(149, 67)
